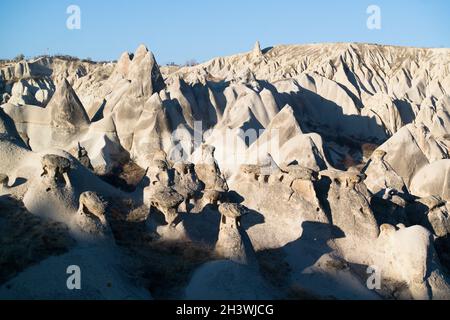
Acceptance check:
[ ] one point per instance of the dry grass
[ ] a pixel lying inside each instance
(26, 239)
(367, 149)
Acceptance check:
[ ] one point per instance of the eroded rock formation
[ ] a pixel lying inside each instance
(293, 166)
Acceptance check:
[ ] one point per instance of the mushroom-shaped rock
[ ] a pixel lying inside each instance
(92, 212)
(167, 201)
(233, 243)
(300, 179)
(348, 179)
(232, 210)
(93, 204)
(56, 168)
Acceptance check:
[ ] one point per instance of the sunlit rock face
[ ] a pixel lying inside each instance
(310, 171)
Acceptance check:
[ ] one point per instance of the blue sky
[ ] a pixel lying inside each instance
(177, 30)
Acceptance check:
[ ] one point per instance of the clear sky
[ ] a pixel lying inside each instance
(179, 30)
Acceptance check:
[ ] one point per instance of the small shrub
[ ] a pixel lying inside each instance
(19, 57)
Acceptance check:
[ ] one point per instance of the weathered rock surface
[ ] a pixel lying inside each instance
(296, 168)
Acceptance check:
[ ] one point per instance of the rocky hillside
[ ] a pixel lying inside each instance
(287, 171)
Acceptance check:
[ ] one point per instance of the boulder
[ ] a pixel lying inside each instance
(66, 111)
(233, 242)
(349, 203)
(92, 211)
(408, 255)
(4, 179)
